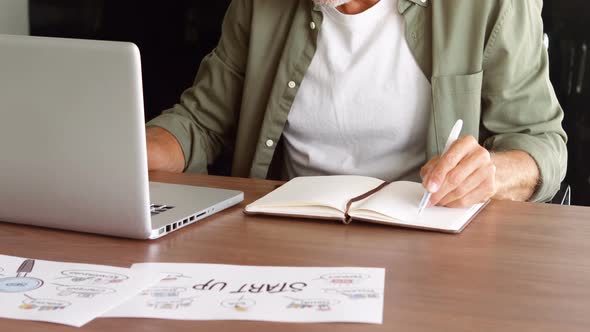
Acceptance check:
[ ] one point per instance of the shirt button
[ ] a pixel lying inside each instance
(270, 143)
(312, 25)
(292, 84)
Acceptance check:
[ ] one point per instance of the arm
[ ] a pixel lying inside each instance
(521, 109)
(521, 121)
(164, 151)
(204, 121)
(517, 175)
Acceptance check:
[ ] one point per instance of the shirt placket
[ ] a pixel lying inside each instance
(272, 128)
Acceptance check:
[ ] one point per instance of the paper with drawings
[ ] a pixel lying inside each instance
(65, 293)
(281, 294)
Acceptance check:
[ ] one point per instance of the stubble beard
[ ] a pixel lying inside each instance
(331, 3)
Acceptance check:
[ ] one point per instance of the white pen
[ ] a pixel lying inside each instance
(453, 136)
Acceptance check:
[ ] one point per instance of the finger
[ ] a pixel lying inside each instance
(485, 191)
(426, 168)
(448, 161)
(456, 178)
(471, 199)
(479, 180)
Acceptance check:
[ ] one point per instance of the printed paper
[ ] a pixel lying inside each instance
(65, 293)
(280, 294)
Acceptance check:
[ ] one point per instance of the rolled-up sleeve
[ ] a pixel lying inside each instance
(204, 120)
(520, 108)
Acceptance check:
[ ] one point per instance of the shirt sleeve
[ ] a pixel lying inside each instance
(520, 108)
(205, 119)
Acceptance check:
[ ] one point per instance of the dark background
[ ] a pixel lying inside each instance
(173, 37)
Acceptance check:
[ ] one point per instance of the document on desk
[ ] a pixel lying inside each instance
(279, 294)
(65, 293)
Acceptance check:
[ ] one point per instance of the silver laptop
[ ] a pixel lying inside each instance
(72, 143)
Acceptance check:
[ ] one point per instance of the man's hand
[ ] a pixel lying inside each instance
(164, 151)
(468, 174)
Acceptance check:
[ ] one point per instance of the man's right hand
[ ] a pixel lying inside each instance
(164, 151)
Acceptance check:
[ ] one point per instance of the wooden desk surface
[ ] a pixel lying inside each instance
(517, 267)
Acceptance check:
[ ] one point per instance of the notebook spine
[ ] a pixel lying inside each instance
(347, 218)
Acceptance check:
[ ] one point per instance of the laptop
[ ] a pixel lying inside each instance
(72, 143)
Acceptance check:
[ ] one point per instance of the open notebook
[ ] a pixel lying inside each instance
(329, 197)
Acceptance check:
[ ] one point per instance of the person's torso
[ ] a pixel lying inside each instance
(362, 107)
(447, 39)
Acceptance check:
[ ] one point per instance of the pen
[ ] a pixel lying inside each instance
(453, 136)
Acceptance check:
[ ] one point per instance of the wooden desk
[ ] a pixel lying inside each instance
(517, 267)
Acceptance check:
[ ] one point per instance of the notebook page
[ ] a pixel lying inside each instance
(329, 191)
(398, 203)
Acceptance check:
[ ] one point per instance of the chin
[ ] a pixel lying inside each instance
(331, 3)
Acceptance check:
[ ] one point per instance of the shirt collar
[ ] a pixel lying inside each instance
(403, 5)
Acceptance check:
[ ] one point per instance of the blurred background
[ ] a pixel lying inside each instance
(174, 35)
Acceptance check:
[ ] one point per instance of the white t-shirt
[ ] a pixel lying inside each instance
(362, 107)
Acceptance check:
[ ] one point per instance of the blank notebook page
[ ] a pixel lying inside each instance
(330, 191)
(400, 201)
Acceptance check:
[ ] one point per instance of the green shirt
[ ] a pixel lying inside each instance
(485, 59)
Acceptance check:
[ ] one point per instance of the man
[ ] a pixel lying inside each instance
(309, 87)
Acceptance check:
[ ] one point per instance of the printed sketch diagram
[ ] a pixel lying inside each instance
(174, 277)
(163, 292)
(167, 298)
(258, 293)
(82, 291)
(171, 304)
(92, 277)
(31, 303)
(355, 294)
(240, 305)
(344, 279)
(317, 304)
(21, 283)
